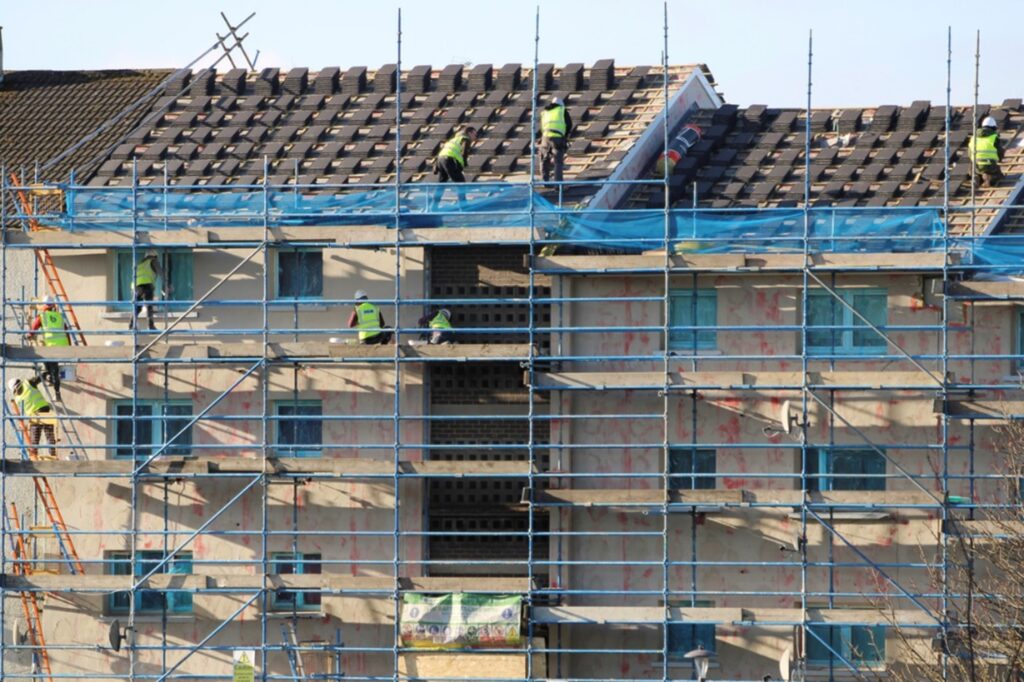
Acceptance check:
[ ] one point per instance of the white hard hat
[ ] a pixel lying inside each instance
(360, 295)
(989, 122)
(12, 384)
(447, 313)
(48, 300)
(557, 101)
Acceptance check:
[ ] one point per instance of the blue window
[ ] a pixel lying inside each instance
(845, 469)
(155, 423)
(693, 308)
(300, 428)
(697, 467)
(150, 601)
(176, 279)
(287, 563)
(300, 273)
(858, 644)
(833, 328)
(684, 637)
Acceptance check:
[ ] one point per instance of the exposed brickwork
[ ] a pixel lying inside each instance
(462, 384)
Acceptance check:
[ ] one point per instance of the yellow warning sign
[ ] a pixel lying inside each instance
(244, 670)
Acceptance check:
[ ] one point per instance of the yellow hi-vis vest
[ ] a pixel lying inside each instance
(983, 149)
(54, 333)
(367, 321)
(440, 322)
(144, 272)
(30, 401)
(453, 148)
(552, 122)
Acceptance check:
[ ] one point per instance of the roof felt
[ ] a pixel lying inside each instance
(43, 113)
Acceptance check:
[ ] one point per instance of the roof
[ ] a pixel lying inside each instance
(334, 126)
(44, 113)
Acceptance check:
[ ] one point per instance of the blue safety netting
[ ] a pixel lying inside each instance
(493, 205)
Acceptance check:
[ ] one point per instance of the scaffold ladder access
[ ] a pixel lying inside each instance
(46, 265)
(49, 501)
(29, 599)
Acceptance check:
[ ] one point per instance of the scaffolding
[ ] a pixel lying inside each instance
(597, 471)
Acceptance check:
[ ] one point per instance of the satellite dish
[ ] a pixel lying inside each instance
(115, 635)
(786, 418)
(786, 663)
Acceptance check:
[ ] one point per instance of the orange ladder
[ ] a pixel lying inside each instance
(53, 513)
(29, 600)
(46, 265)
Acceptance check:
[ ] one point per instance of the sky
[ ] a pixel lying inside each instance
(865, 53)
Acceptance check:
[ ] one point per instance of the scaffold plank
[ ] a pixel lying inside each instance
(739, 262)
(865, 499)
(859, 380)
(644, 498)
(627, 615)
(981, 408)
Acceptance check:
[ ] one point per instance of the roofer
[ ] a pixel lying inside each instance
(369, 320)
(55, 333)
(33, 405)
(451, 160)
(986, 151)
(440, 324)
(147, 271)
(555, 129)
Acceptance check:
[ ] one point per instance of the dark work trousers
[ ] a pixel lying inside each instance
(449, 170)
(988, 175)
(552, 158)
(144, 293)
(52, 372)
(380, 339)
(37, 428)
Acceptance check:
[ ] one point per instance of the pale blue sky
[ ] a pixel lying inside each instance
(868, 52)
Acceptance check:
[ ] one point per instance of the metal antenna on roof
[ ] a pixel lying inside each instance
(233, 30)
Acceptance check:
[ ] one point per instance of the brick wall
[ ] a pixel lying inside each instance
(478, 383)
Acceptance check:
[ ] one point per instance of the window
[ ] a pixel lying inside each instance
(155, 422)
(692, 462)
(858, 644)
(287, 563)
(684, 637)
(845, 469)
(300, 273)
(150, 601)
(176, 280)
(693, 308)
(299, 428)
(842, 332)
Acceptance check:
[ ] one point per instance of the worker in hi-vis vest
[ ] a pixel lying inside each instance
(147, 272)
(986, 151)
(54, 329)
(440, 325)
(555, 129)
(369, 321)
(34, 406)
(451, 160)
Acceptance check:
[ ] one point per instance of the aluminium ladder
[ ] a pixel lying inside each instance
(29, 599)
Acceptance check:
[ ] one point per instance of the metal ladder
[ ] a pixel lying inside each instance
(291, 644)
(29, 600)
(45, 494)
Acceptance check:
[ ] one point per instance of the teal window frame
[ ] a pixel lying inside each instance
(296, 563)
(152, 429)
(305, 287)
(150, 601)
(681, 314)
(293, 423)
(866, 464)
(858, 644)
(177, 266)
(845, 333)
(692, 461)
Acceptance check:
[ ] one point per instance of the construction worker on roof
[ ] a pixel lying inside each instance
(451, 160)
(555, 129)
(369, 320)
(55, 333)
(440, 324)
(147, 272)
(33, 406)
(986, 151)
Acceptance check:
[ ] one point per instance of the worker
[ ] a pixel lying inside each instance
(986, 152)
(146, 274)
(451, 160)
(555, 129)
(440, 324)
(55, 333)
(40, 414)
(369, 320)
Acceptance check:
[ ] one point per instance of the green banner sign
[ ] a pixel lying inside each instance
(461, 621)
